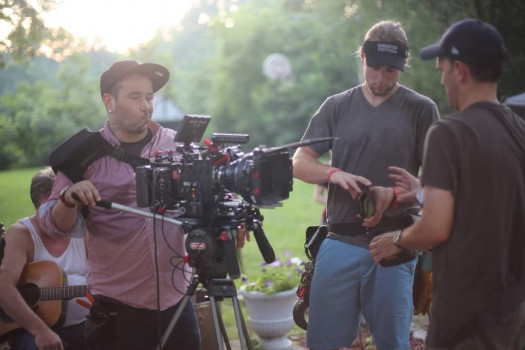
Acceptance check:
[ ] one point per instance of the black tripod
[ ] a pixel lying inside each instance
(217, 288)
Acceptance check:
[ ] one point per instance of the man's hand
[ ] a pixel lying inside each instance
(243, 234)
(407, 184)
(349, 182)
(83, 192)
(48, 340)
(383, 197)
(383, 246)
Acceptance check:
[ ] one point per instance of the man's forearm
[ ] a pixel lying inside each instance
(15, 306)
(63, 217)
(55, 216)
(307, 168)
(420, 237)
(435, 224)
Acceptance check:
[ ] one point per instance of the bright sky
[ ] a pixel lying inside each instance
(116, 24)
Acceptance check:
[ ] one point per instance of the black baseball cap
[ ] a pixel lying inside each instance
(470, 40)
(155, 72)
(379, 53)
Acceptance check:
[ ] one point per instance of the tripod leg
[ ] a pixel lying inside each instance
(189, 292)
(244, 338)
(215, 315)
(223, 330)
(173, 322)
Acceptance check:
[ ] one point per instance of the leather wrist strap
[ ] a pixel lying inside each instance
(63, 198)
(397, 238)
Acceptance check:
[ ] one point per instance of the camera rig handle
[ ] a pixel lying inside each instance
(262, 242)
(111, 205)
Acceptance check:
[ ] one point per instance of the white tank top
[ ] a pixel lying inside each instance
(74, 264)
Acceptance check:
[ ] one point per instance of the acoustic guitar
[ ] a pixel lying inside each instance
(43, 286)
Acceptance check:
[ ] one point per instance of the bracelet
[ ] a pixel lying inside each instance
(397, 238)
(332, 173)
(394, 203)
(63, 198)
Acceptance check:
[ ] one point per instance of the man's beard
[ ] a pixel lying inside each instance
(381, 92)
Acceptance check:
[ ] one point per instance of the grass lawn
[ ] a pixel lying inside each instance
(15, 202)
(284, 226)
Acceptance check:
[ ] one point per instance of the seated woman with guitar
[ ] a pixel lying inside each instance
(39, 275)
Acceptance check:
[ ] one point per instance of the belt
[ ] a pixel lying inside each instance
(352, 229)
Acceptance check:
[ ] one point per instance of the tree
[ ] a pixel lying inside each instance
(37, 118)
(28, 31)
(507, 17)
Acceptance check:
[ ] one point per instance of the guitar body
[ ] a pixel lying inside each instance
(36, 276)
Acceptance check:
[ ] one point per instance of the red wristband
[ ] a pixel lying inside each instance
(332, 173)
(395, 202)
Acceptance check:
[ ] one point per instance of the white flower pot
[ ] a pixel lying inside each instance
(270, 317)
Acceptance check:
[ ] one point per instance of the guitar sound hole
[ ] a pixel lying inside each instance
(31, 293)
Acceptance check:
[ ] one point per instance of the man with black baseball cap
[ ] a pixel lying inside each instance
(155, 72)
(474, 190)
(376, 124)
(132, 279)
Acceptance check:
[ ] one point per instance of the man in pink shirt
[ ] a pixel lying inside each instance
(126, 276)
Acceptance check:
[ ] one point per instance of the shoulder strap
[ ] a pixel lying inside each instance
(514, 125)
(73, 156)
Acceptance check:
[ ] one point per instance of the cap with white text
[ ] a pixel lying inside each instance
(380, 53)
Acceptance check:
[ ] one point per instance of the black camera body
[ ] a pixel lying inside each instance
(173, 185)
(195, 181)
(202, 185)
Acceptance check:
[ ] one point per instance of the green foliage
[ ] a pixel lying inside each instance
(283, 274)
(27, 30)
(36, 118)
(216, 67)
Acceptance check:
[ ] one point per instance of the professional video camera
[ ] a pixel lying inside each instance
(200, 183)
(196, 181)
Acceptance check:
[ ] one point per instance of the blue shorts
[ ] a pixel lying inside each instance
(347, 285)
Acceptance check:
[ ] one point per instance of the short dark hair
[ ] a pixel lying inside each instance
(41, 186)
(115, 90)
(485, 74)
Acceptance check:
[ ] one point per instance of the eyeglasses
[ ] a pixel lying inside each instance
(367, 205)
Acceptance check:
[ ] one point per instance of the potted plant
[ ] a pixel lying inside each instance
(270, 299)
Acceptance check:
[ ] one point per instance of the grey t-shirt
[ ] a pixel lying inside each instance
(477, 155)
(367, 140)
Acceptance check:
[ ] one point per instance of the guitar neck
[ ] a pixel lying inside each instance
(63, 292)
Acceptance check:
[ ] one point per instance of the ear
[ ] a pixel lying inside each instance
(109, 102)
(462, 71)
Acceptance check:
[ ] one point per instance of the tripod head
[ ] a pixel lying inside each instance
(210, 242)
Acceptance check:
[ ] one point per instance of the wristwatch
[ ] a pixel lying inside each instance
(397, 239)
(63, 198)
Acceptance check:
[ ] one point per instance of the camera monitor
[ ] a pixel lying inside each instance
(192, 128)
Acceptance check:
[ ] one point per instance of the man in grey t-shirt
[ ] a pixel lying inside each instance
(375, 125)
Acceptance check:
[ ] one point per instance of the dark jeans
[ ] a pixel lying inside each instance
(135, 328)
(72, 338)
